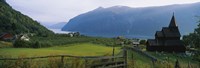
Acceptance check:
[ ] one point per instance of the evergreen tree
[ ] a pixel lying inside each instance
(193, 39)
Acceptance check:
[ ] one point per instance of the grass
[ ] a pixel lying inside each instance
(79, 49)
(136, 60)
(172, 57)
(4, 44)
(140, 61)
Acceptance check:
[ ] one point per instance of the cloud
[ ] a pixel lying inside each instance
(63, 10)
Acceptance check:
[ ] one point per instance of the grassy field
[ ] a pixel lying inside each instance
(136, 60)
(80, 49)
(5, 44)
(172, 57)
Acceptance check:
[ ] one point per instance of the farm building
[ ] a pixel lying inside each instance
(168, 39)
(135, 43)
(6, 36)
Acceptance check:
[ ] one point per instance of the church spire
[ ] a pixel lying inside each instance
(173, 22)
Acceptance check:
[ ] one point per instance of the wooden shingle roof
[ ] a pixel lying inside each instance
(171, 32)
(173, 22)
(159, 34)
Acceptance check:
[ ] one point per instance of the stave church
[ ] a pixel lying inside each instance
(167, 40)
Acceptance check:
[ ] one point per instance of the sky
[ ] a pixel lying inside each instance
(55, 11)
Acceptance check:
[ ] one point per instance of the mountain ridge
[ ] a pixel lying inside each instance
(133, 21)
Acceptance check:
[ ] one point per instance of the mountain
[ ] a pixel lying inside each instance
(58, 25)
(134, 22)
(12, 21)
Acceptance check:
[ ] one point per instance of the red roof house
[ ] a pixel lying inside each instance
(6, 36)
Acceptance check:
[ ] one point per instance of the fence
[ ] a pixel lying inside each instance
(119, 61)
(70, 61)
(142, 53)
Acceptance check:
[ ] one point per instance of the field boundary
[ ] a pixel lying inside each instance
(142, 53)
(86, 58)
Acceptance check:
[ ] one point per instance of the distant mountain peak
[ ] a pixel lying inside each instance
(127, 21)
(99, 8)
(119, 6)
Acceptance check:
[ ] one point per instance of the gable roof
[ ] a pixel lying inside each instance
(159, 34)
(169, 32)
(6, 36)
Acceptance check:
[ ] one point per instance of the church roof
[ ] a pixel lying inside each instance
(169, 32)
(159, 34)
(173, 22)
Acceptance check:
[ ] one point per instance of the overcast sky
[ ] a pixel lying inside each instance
(55, 11)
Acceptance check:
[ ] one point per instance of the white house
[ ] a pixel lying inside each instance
(24, 37)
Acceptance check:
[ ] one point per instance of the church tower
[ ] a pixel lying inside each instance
(168, 39)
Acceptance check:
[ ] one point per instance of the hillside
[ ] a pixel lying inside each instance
(12, 21)
(133, 22)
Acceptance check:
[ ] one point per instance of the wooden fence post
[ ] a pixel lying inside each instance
(86, 61)
(62, 61)
(189, 64)
(177, 65)
(113, 54)
(153, 62)
(125, 57)
(199, 63)
(132, 56)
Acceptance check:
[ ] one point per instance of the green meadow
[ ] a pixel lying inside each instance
(79, 49)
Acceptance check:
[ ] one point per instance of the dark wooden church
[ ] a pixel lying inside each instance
(167, 40)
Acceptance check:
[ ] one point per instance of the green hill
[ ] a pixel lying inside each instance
(12, 21)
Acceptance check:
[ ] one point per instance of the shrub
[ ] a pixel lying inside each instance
(21, 43)
(36, 45)
(143, 42)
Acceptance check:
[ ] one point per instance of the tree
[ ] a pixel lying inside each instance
(76, 34)
(143, 42)
(36, 45)
(21, 44)
(193, 38)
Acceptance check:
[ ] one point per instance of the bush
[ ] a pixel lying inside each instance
(21, 43)
(143, 42)
(36, 45)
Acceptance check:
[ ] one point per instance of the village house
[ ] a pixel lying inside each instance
(135, 43)
(24, 37)
(6, 37)
(168, 39)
